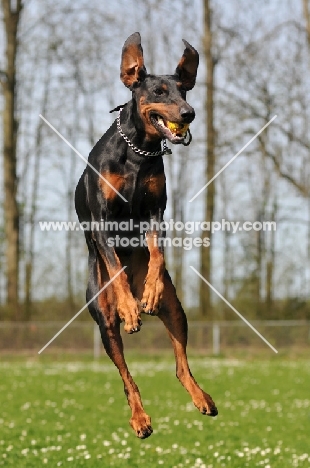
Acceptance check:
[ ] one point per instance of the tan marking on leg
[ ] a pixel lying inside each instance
(106, 299)
(154, 285)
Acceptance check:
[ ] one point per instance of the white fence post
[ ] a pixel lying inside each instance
(97, 341)
(216, 338)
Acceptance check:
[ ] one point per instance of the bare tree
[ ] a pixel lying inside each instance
(12, 13)
(30, 251)
(206, 254)
(307, 19)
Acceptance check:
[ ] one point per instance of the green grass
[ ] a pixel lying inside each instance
(59, 413)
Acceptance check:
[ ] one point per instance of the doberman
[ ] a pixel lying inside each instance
(126, 181)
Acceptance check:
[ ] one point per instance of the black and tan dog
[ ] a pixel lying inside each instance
(127, 182)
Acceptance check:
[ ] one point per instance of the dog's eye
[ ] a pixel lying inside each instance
(158, 91)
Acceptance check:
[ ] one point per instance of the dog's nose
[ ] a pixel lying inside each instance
(187, 114)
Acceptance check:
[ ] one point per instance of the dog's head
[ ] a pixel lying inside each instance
(161, 100)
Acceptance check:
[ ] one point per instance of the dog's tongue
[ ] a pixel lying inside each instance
(177, 127)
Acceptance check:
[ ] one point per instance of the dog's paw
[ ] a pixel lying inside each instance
(205, 404)
(152, 295)
(141, 424)
(129, 313)
(132, 326)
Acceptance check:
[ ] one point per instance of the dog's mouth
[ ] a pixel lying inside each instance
(173, 131)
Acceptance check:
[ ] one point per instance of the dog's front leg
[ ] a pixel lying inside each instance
(127, 307)
(154, 281)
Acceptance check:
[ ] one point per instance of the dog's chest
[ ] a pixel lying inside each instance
(147, 192)
(144, 189)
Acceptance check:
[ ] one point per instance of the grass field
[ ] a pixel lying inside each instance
(60, 413)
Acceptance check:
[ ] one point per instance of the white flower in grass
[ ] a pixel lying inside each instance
(83, 436)
(26, 406)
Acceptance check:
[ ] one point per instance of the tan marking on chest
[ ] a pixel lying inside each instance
(155, 184)
(117, 181)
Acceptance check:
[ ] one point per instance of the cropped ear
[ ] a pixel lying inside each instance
(132, 64)
(187, 67)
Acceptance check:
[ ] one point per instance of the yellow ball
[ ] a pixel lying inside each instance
(174, 127)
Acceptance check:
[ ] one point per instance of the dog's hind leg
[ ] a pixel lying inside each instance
(112, 340)
(109, 324)
(174, 319)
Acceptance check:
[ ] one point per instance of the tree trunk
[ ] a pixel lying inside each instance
(306, 10)
(30, 257)
(11, 212)
(179, 215)
(206, 253)
(70, 206)
(270, 266)
(307, 19)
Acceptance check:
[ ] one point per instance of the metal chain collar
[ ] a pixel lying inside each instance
(165, 149)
